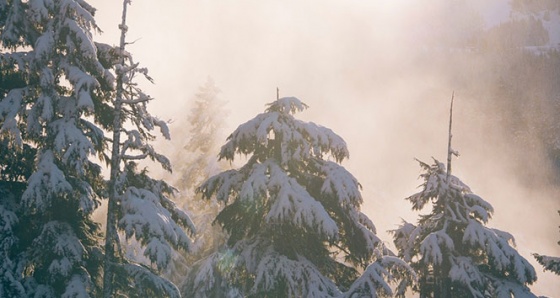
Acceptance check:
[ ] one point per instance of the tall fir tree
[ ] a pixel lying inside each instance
(451, 249)
(205, 122)
(292, 215)
(139, 205)
(56, 103)
(195, 162)
(54, 81)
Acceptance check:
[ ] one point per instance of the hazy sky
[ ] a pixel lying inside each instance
(352, 62)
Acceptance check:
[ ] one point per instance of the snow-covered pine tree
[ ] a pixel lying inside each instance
(549, 263)
(452, 250)
(292, 215)
(56, 100)
(46, 103)
(139, 205)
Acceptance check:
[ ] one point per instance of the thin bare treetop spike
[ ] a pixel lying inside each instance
(450, 151)
(277, 93)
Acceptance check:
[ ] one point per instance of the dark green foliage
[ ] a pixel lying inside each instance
(17, 164)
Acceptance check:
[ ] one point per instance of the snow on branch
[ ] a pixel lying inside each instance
(223, 185)
(214, 276)
(405, 237)
(549, 263)
(291, 202)
(432, 246)
(323, 140)
(10, 106)
(71, 143)
(376, 278)
(146, 282)
(501, 255)
(342, 184)
(297, 139)
(302, 277)
(153, 225)
(79, 286)
(85, 45)
(286, 105)
(508, 288)
(44, 45)
(136, 141)
(206, 277)
(64, 259)
(464, 271)
(47, 182)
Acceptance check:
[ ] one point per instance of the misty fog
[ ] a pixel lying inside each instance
(380, 74)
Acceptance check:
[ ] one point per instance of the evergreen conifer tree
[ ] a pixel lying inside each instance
(53, 83)
(292, 215)
(139, 205)
(56, 103)
(452, 250)
(196, 162)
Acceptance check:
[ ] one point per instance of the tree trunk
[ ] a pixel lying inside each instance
(111, 236)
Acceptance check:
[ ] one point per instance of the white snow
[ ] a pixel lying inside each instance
(44, 45)
(464, 271)
(301, 276)
(341, 183)
(78, 287)
(143, 278)
(10, 106)
(45, 183)
(432, 246)
(38, 9)
(299, 140)
(145, 218)
(71, 143)
(291, 202)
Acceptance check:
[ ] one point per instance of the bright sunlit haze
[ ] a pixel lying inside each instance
(378, 73)
(259, 148)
